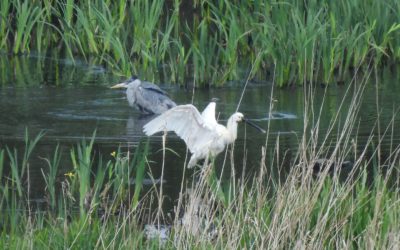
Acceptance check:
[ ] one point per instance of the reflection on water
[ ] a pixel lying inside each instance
(135, 123)
(69, 102)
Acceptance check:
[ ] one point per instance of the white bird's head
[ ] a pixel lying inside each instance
(132, 82)
(232, 125)
(237, 117)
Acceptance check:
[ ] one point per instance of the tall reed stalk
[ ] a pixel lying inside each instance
(51, 177)
(82, 161)
(1, 163)
(18, 169)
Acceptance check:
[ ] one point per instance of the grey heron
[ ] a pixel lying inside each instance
(201, 132)
(146, 96)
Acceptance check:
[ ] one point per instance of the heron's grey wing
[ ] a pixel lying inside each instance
(153, 101)
(153, 87)
(187, 123)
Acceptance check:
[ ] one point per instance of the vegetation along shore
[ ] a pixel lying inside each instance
(208, 42)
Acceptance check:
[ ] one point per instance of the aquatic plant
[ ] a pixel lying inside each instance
(4, 32)
(82, 161)
(27, 15)
(1, 163)
(51, 177)
(18, 169)
(209, 43)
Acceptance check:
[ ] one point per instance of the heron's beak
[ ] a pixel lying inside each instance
(119, 86)
(254, 125)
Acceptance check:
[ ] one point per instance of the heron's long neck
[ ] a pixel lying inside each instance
(130, 95)
(232, 128)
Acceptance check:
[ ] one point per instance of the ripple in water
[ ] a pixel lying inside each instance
(276, 116)
(70, 116)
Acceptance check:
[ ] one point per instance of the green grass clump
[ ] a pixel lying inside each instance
(208, 43)
(303, 211)
(76, 201)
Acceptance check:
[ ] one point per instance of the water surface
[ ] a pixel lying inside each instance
(70, 101)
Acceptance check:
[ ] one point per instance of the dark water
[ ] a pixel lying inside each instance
(68, 102)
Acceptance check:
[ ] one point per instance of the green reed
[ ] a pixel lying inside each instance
(80, 182)
(18, 168)
(51, 177)
(4, 32)
(214, 45)
(27, 16)
(82, 161)
(1, 163)
(140, 163)
(217, 43)
(120, 173)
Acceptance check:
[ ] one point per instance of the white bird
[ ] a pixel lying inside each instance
(208, 113)
(202, 134)
(146, 96)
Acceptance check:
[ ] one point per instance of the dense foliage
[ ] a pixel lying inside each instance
(207, 42)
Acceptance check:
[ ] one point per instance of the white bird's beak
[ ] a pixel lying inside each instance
(254, 125)
(119, 86)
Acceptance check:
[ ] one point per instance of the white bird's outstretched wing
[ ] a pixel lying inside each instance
(208, 114)
(187, 123)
